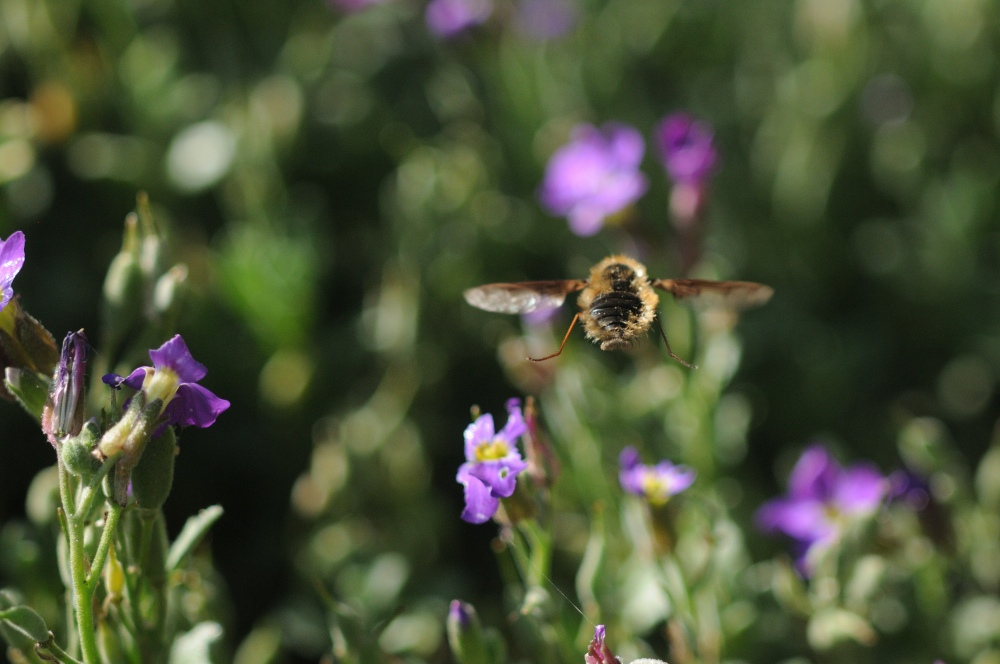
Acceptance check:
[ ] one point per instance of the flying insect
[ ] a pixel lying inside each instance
(617, 303)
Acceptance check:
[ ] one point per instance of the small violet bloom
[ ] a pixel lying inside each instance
(448, 18)
(822, 498)
(174, 378)
(492, 463)
(655, 483)
(594, 176)
(11, 260)
(686, 148)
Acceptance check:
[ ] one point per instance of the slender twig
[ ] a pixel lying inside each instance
(110, 525)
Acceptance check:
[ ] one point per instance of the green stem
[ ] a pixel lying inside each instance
(110, 525)
(82, 595)
(55, 651)
(94, 487)
(541, 550)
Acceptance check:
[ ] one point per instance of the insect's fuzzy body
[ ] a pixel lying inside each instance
(618, 304)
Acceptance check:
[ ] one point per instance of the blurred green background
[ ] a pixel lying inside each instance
(335, 179)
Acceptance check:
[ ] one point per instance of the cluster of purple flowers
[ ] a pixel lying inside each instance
(823, 497)
(173, 378)
(493, 464)
(596, 175)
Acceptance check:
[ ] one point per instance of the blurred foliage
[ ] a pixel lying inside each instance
(335, 179)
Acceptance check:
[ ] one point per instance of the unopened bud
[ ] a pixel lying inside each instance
(77, 453)
(465, 634)
(598, 652)
(168, 288)
(63, 412)
(114, 576)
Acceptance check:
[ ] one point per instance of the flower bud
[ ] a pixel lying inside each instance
(465, 634)
(598, 652)
(63, 412)
(114, 576)
(77, 453)
(128, 437)
(123, 285)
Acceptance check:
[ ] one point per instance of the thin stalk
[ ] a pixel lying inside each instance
(110, 525)
(82, 596)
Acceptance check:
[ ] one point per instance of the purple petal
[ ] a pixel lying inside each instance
(629, 458)
(804, 520)
(675, 478)
(859, 489)
(133, 380)
(447, 18)
(480, 504)
(515, 427)
(500, 476)
(625, 144)
(814, 474)
(478, 432)
(585, 221)
(594, 176)
(686, 148)
(11, 260)
(113, 380)
(193, 405)
(174, 354)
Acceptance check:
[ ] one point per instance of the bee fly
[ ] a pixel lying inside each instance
(617, 302)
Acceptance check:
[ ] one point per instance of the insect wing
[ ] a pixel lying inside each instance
(522, 297)
(735, 295)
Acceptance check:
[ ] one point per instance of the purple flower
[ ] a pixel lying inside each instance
(686, 149)
(655, 483)
(447, 18)
(11, 260)
(822, 498)
(173, 378)
(594, 176)
(492, 463)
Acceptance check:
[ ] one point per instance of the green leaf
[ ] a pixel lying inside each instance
(193, 531)
(26, 620)
(29, 389)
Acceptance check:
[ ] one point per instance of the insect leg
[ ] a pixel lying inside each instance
(669, 352)
(549, 357)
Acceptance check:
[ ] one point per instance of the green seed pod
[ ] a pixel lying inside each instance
(153, 476)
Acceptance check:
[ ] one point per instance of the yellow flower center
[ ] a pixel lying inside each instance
(655, 489)
(162, 384)
(492, 450)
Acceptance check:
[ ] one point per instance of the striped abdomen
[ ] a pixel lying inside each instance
(614, 313)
